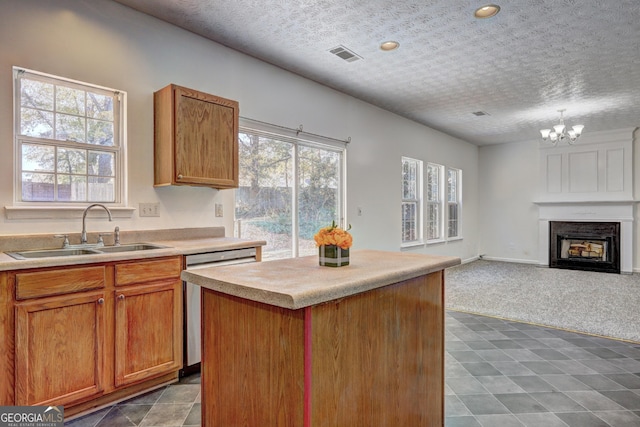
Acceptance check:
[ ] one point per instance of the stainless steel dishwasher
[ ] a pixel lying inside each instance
(192, 306)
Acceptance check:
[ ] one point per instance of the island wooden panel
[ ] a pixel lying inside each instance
(254, 370)
(370, 359)
(378, 357)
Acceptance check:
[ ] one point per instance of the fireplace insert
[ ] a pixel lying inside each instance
(590, 246)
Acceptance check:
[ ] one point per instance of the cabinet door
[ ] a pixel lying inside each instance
(148, 331)
(206, 139)
(59, 349)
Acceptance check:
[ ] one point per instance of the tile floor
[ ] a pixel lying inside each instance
(501, 374)
(498, 374)
(175, 405)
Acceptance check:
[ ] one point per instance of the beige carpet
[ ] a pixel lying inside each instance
(596, 303)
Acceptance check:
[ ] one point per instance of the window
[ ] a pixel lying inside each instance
(289, 189)
(411, 201)
(434, 202)
(68, 137)
(443, 184)
(453, 202)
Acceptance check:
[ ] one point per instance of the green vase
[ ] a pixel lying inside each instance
(333, 256)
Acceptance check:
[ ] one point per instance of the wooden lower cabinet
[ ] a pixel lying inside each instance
(59, 351)
(82, 348)
(148, 330)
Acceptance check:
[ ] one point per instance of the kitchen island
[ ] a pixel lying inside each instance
(290, 343)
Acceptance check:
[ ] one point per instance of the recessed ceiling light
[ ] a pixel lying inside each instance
(487, 11)
(389, 45)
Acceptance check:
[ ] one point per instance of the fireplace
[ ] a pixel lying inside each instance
(591, 246)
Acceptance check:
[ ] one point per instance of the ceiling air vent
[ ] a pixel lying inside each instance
(345, 53)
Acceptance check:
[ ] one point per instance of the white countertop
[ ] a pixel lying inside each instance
(300, 282)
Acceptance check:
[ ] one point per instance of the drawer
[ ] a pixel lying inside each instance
(59, 281)
(146, 271)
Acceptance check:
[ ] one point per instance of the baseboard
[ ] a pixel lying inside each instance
(525, 261)
(514, 260)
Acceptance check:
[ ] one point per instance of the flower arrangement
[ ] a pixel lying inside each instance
(334, 235)
(333, 243)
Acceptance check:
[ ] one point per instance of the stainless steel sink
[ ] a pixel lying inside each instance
(52, 253)
(84, 251)
(130, 247)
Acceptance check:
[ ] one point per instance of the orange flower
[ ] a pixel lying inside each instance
(334, 235)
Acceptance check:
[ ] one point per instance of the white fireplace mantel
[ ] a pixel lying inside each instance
(585, 211)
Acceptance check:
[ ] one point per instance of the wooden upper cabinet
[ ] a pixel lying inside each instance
(196, 138)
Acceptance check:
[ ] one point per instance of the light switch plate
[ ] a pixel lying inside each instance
(219, 210)
(149, 209)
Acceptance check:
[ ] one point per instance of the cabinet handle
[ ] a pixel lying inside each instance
(120, 297)
(179, 176)
(101, 301)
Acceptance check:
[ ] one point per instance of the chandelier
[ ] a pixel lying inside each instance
(560, 132)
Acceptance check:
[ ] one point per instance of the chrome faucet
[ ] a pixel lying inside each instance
(83, 236)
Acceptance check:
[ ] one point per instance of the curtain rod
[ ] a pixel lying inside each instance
(298, 131)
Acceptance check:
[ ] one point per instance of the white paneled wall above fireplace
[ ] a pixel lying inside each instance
(598, 168)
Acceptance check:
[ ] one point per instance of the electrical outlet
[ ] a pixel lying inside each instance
(219, 210)
(149, 209)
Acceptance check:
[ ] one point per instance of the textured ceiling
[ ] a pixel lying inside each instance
(521, 66)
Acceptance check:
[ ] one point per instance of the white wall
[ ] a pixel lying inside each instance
(508, 185)
(105, 43)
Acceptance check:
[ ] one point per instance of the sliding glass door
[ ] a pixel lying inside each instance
(289, 188)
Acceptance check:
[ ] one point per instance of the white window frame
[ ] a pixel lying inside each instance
(456, 200)
(435, 199)
(62, 209)
(417, 201)
(443, 202)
